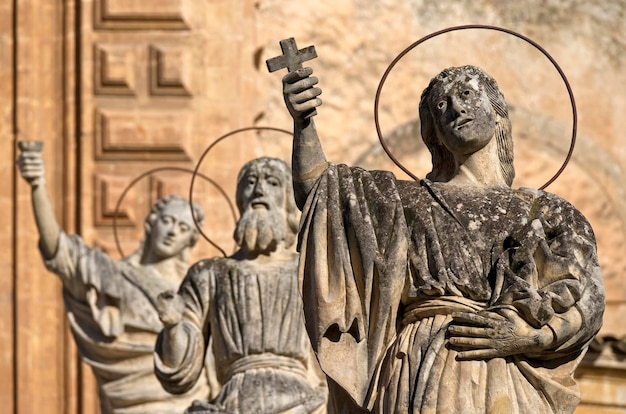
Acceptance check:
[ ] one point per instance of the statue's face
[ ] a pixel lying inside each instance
(464, 117)
(263, 188)
(173, 230)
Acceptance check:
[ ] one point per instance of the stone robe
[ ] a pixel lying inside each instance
(253, 314)
(115, 325)
(384, 263)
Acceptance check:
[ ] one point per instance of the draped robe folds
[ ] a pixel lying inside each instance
(253, 315)
(113, 320)
(384, 263)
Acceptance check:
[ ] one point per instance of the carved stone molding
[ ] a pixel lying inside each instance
(107, 190)
(602, 342)
(113, 70)
(168, 68)
(139, 15)
(155, 135)
(168, 184)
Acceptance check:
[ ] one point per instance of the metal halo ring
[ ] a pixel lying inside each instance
(477, 26)
(156, 170)
(204, 154)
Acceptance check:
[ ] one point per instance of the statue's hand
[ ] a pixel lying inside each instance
(170, 306)
(301, 95)
(488, 334)
(31, 167)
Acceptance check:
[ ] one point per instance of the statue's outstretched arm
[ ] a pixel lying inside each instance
(31, 168)
(308, 159)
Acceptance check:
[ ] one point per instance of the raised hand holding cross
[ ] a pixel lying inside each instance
(291, 59)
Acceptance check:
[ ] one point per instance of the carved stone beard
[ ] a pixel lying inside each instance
(261, 230)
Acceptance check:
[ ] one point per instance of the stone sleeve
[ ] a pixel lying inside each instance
(195, 292)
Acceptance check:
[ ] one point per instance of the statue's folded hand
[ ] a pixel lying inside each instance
(486, 335)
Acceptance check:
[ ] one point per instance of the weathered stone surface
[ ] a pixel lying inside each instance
(587, 39)
(245, 311)
(452, 294)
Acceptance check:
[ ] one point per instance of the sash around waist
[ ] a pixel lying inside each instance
(443, 305)
(266, 360)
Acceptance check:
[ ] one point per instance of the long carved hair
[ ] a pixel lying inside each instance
(444, 166)
(292, 212)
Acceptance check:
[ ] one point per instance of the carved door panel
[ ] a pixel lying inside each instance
(159, 82)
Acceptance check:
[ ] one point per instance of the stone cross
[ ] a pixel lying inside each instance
(291, 58)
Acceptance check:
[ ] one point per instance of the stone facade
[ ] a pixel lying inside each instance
(116, 88)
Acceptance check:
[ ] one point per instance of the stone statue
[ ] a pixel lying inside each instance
(455, 294)
(249, 305)
(111, 305)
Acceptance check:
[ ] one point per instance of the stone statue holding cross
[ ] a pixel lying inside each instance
(452, 294)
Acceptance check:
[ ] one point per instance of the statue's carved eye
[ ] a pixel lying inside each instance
(273, 181)
(441, 104)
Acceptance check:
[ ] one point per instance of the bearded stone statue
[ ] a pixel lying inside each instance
(246, 310)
